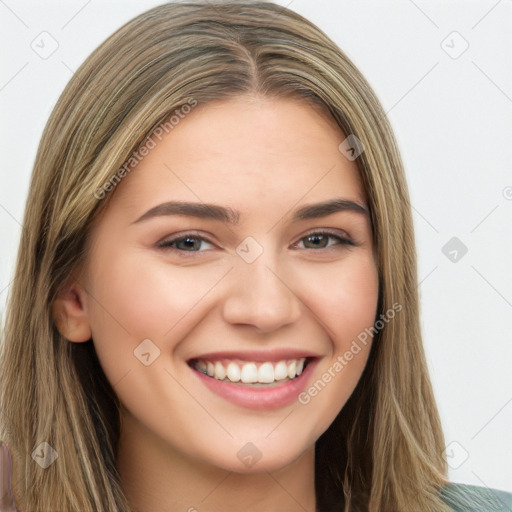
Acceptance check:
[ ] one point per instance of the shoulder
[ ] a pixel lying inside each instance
(470, 498)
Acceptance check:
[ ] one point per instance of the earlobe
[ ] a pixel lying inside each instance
(69, 314)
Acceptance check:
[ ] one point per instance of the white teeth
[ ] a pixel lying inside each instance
(220, 371)
(292, 369)
(250, 372)
(281, 371)
(233, 372)
(266, 373)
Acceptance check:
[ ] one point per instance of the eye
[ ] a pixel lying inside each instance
(193, 242)
(323, 240)
(188, 242)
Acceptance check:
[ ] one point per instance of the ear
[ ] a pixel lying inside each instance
(69, 313)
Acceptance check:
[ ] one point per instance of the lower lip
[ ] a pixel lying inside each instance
(259, 398)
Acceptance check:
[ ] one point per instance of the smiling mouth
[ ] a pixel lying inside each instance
(251, 373)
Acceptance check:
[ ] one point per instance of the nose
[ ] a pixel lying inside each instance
(259, 297)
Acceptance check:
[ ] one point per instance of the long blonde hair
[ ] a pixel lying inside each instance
(383, 453)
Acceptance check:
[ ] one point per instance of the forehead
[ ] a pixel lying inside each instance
(244, 151)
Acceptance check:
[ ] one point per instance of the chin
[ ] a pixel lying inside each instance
(257, 458)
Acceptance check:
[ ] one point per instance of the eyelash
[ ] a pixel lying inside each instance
(166, 243)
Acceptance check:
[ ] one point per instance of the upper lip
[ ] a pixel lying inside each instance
(257, 355)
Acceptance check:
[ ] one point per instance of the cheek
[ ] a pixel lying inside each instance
(344, 301)
(344, 298)
(147, 298)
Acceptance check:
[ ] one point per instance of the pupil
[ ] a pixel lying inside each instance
(317, 240)
(189, 243)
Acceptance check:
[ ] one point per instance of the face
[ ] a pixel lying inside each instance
(226, 282)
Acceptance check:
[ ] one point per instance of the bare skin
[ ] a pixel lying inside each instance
(305, 291)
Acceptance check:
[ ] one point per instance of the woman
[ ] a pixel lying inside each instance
(215, 304)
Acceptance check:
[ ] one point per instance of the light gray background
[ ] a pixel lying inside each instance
(452, 116)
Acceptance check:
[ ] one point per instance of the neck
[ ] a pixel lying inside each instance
(157, 478)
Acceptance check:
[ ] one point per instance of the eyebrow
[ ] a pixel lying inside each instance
(231, 216)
